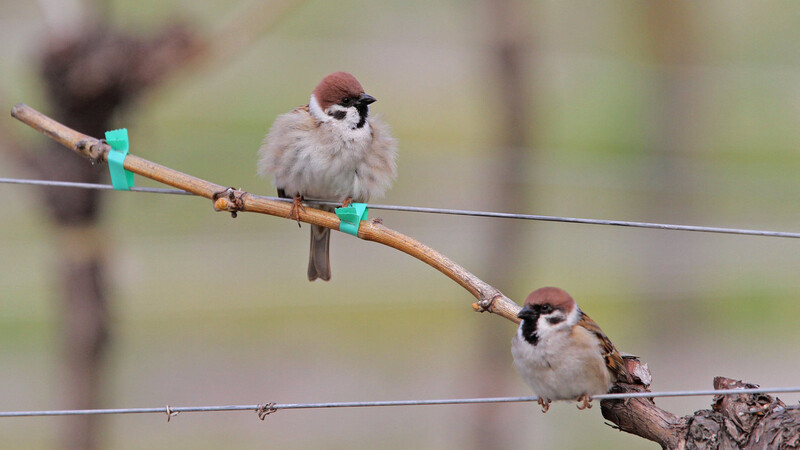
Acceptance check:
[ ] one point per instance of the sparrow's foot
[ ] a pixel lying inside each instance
(347, 202)
(584, 402)
(544, 403)
(297, 206)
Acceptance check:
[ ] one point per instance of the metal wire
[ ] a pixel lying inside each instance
(103, 187)
(271, 407)
(461, 212)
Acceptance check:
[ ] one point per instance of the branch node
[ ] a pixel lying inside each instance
(230, 199)
(96, 150)
(485, 304)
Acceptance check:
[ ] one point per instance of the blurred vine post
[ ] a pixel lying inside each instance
(509, 43)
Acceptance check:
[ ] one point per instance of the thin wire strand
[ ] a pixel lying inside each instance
(453, 401)
(460, 212)
(102, 187)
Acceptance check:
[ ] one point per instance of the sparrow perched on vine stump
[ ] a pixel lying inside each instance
(331, 150)
(561, 353)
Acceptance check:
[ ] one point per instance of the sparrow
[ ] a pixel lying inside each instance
(561, 353)
(331, 150)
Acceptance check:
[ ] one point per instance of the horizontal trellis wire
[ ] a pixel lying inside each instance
(266, 408)
(462, 212)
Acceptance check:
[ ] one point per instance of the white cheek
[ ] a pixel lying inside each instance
(351, 117)
(547, 330)
(543, 328)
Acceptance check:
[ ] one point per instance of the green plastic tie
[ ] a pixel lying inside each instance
(350, 217)
(121, 179)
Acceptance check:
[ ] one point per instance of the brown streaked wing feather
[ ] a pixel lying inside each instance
(305, 110)
(302, 108)
(613, 359)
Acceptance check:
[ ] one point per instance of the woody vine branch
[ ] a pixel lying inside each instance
(489, 298)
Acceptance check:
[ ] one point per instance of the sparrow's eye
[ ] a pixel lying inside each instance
(546, 309)
(346, 101)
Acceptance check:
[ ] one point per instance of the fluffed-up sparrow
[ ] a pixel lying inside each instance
(330, 150)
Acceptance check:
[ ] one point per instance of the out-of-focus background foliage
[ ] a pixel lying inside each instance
(634, 111)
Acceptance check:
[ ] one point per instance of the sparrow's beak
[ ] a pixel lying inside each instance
(366, 99)
(526, 312)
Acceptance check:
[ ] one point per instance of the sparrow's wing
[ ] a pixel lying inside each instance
(303, 108)
(276, 152)
(613, 359)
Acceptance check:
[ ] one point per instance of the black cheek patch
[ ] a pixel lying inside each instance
(338, 115)
(555, 320)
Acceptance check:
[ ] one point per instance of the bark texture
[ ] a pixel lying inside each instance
(746, 421)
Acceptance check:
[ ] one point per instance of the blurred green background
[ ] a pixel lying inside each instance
(213, 311)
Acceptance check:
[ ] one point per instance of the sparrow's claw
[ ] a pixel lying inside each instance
(586, 402)
(297, 206)
(544, 403)
(347, 202)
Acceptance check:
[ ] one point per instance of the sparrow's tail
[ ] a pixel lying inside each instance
(319, 260)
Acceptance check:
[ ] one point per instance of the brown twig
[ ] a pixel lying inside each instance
(489, 298)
